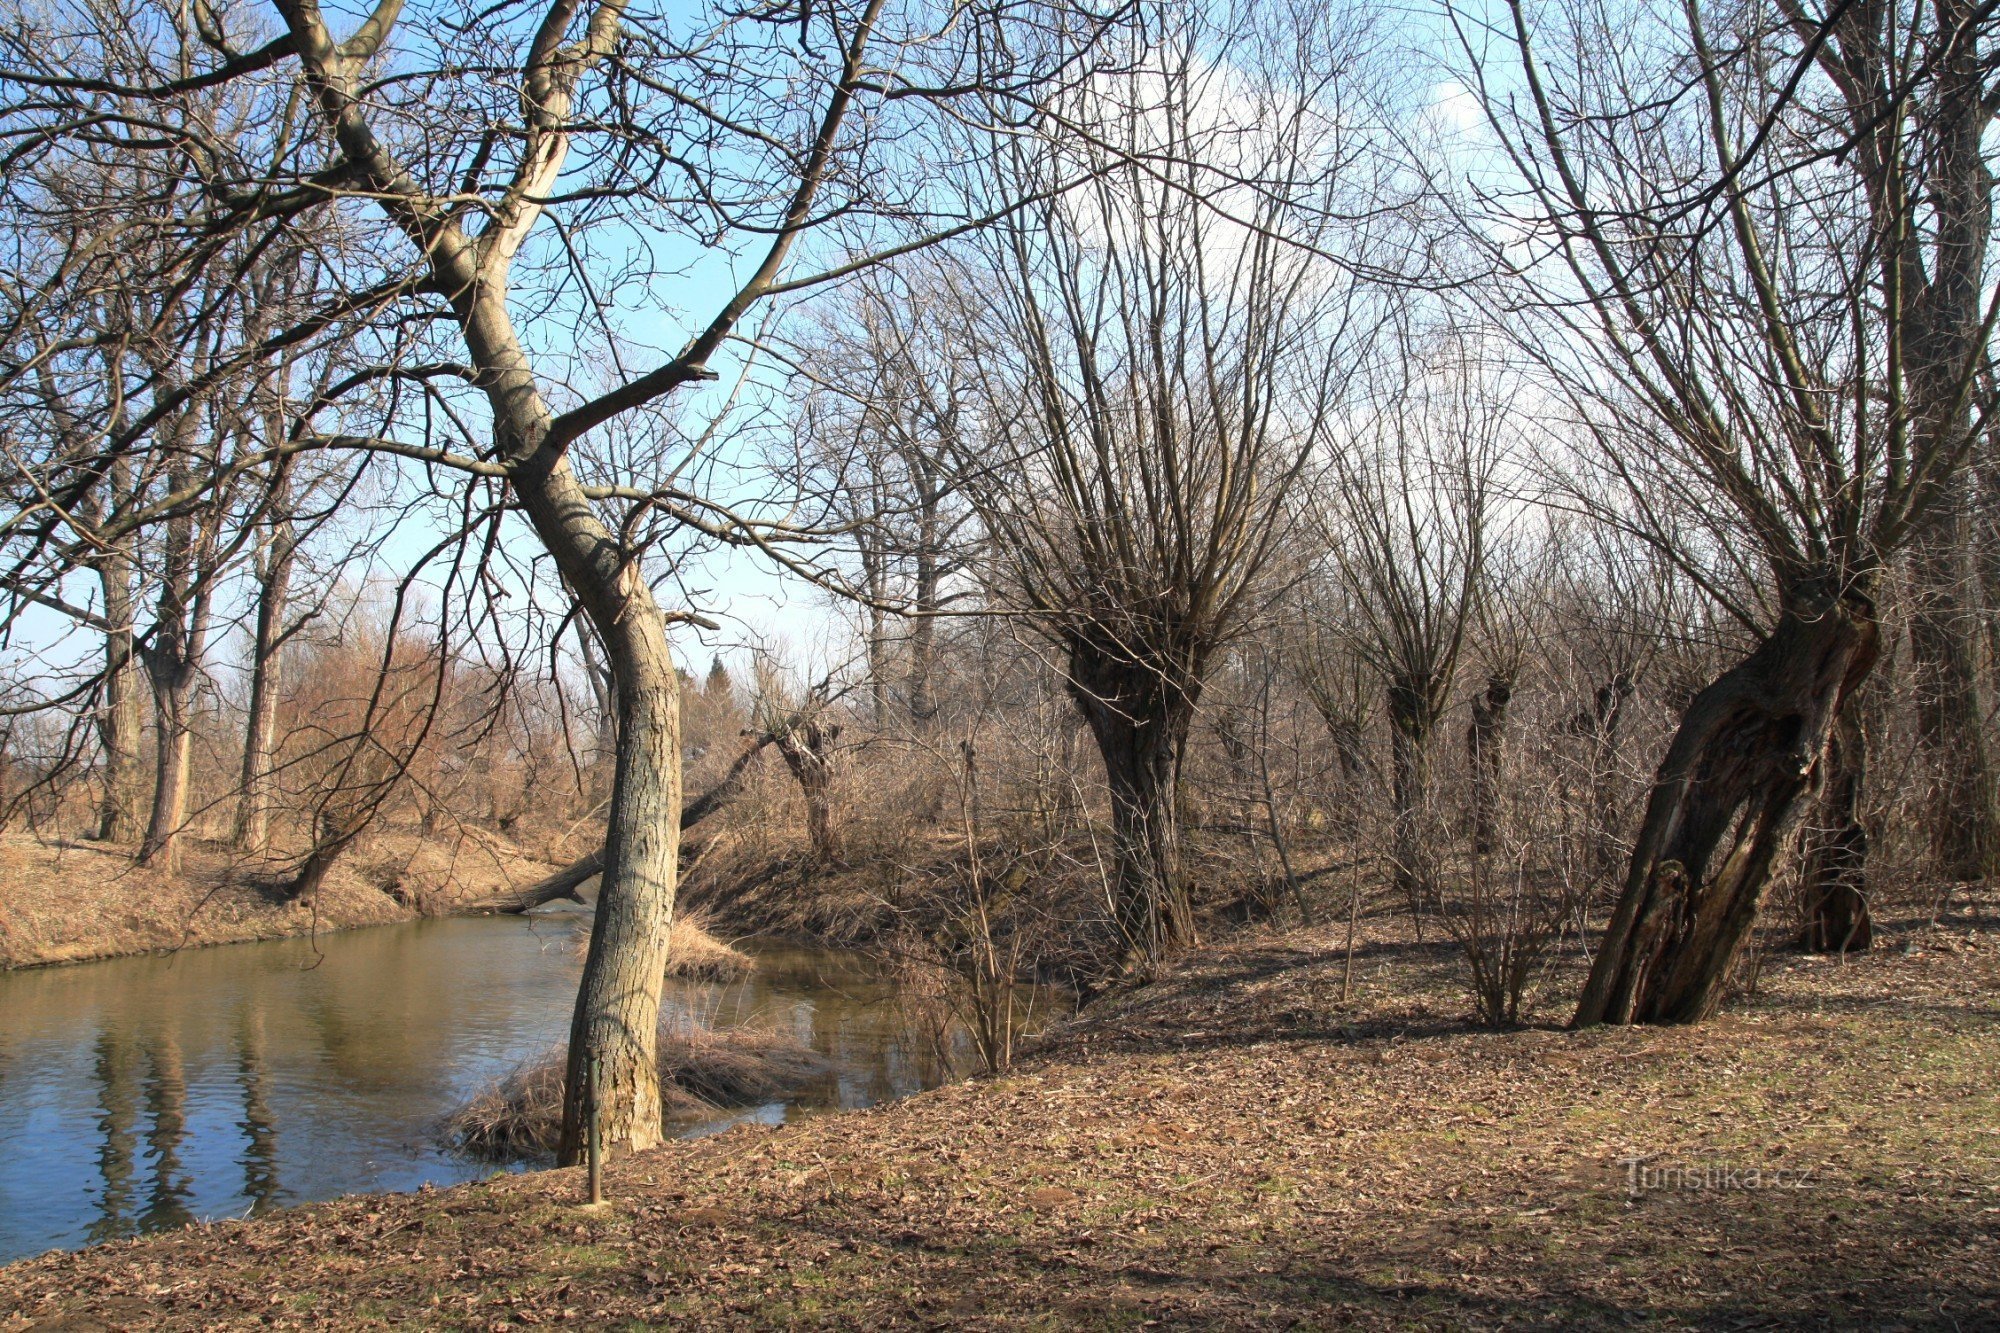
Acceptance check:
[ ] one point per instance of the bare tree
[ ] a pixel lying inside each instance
(1150, 360)
(1406, 518)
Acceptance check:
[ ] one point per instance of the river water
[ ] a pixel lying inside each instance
(138, 1094)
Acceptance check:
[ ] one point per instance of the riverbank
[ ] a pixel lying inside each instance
(76, 901)
(1238, 1146)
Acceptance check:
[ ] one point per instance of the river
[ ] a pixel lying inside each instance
(139, 1094)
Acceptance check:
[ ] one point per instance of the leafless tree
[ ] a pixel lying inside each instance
(1151, 358)
(1752, 243)
(1406, 512)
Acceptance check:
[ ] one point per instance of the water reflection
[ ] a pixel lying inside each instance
(138, 1094)
(117, 1122)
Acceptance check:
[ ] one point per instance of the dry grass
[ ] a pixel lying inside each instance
(67, 902)
(702, 1070)
(70, 902)
(696, 955)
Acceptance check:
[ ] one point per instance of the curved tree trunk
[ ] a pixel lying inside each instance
(1140, 722)
(1725, 803)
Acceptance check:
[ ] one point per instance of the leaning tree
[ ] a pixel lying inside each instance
(1747, 244)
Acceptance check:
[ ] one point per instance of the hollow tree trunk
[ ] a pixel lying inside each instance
(1834, 874)
(253, 807)
(1725, 802)
(1484, 740)
(1140, 722)
(807, 748)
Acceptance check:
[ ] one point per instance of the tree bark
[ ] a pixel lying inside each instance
(1944, 350)
(807, 747)
(1724, 805)
(1965, 830)
(253, 807)
(1140, 721)
(1413, 715)
(1484, 741)
(120, 721)
(921, 699)
(173, 660)
(1834, 874)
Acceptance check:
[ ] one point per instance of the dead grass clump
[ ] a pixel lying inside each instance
(696, 955)
(702, 1070)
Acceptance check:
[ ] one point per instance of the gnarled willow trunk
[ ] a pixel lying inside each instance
(1140, 721)
(1725, 802)
(808, 752)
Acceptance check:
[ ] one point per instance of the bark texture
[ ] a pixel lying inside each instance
(274, 581)
(1725, 802)
(1834, 876)
(1140, 721)
(1485, 742)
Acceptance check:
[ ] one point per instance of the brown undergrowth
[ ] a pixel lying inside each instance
(1258, 1140)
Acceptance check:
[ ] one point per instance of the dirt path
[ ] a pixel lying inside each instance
(1235, 1148)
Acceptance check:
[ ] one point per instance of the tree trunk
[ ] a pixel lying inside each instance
(1944, 349)
(1950, 721)
(807, 748)
(1483, 744)
(120, 721)
(1140, 722)
(1413, 715)
(172, 659)
(253, 807)
(1749, 749)
(173, 734)
(1834, 874)
(618, 1004)
(921, 700)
